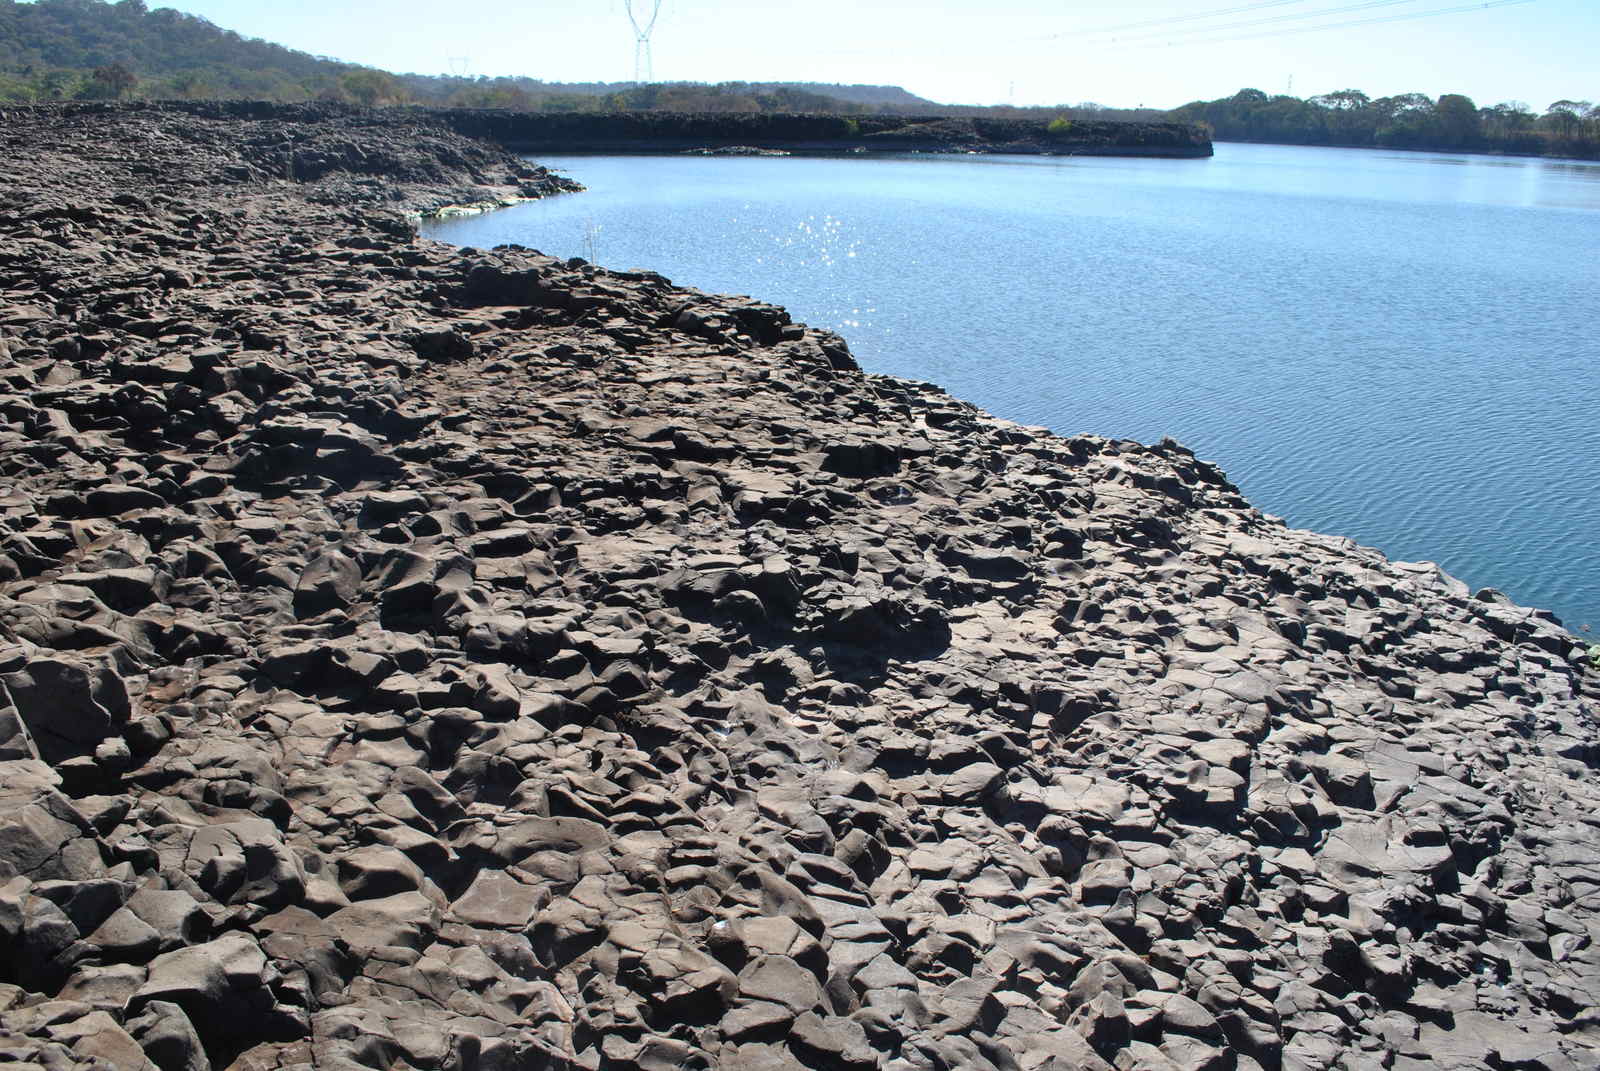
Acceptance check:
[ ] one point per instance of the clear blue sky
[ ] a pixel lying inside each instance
(959, 51)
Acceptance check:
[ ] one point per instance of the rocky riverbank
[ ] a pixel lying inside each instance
(437, 658)
(675, 132)
(622, 132)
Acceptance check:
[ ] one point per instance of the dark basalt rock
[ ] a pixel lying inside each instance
(418, 657)
(768, 134)
(69, 707)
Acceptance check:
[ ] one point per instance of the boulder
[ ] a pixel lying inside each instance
(70, 706)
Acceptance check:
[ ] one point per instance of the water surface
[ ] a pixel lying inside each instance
(1396, 347)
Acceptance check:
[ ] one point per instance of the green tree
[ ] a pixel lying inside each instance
(59, 85)
(1457, 120)
(1510, 126)
(17, 88)
(111, 82)
(1405, 120)
(1563, 116)
(1342, 100)
(370, 87)
(190, 85)
(1347, 114)
(1511, 117)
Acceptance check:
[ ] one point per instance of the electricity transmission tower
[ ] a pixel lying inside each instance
(458, 65)
(643, 69)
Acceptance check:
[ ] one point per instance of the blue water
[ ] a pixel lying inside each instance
(1399, 348)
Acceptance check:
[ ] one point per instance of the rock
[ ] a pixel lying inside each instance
(115, 500)
(125, 938)
(685, 984)
(40, 942)
(374, 872)
(224, 989)
(830, 1041)
(443, 345)
(973, 783)
(69, 706)
(1347, 781)
(401, 921)
(175, 916)
(106, 988)
(780, 980)
(739, 942)
(244, 861)
(42, 836)
(330, 582)
(861, 458)
(499, 900)
(167, 1037)
(93, 1037)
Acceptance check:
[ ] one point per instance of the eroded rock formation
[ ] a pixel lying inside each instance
(414, 657)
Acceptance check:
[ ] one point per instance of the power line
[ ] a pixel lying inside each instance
(1293, 16)
(1176, 19)
(1341, 25)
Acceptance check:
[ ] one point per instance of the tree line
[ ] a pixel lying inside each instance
(1407, 121)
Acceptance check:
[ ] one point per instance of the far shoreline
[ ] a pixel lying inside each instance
(1493, 154)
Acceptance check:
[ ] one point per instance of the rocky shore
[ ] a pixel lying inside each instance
(676, 132)
(419, 657)
(622, 132)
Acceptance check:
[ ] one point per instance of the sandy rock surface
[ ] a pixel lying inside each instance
(414, 657)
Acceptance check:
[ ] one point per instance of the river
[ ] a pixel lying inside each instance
(1396, 347)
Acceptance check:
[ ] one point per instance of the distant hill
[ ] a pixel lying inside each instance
(88, 49)
(531, 94)
(873, 98)
(877, 98)
(52, 48)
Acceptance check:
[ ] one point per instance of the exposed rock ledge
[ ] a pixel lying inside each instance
(429, 658)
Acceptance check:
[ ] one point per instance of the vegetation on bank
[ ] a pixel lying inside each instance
(1406, 121)
(98, 50)
(655, 131)
(94, 50)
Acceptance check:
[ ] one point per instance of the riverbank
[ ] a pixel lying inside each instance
(651, 132)
(672, 132)
(464, 657)
(1507, 154)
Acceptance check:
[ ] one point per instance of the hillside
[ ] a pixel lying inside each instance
(875, 98)
(54, 46)
(91, 49)
(421, 657)
(53, 49)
